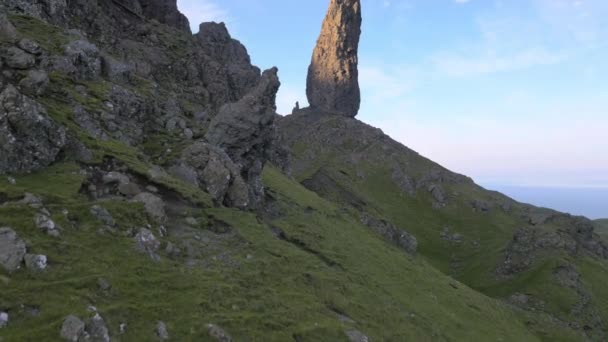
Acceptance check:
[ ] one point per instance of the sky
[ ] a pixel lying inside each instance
(509, 92)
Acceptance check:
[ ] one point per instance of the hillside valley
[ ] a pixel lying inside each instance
(149, 191)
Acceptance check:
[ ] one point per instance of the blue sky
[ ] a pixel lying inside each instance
(510, 92)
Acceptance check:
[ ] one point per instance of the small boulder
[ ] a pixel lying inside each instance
(218, 333)
(114, 177)
(36, 262)
(84, 57)
(45, 223)
(29, 46)
(8, 32)
(161, 331)
(97, 329)
(3, 319)
(154, 205)
(103, 215)
(356, 336)
(18, 59)
(35, 83)
(12, 249)
(146, 242)
(129, 190)
(72, 329)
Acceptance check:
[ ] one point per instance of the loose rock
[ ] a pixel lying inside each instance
(72, 328)
(218, 333)
(161, 331)
(12, 249)
(36, 262)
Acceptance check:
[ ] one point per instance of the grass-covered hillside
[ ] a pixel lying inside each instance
(146, 195)
(508, 251)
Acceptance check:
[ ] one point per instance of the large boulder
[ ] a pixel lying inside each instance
(29, 139)
(211, 169)
(245, 130)
(72, 329)
(12, 249)
(332, 85)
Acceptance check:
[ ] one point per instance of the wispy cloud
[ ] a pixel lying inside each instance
(472, 65)
(199, 11)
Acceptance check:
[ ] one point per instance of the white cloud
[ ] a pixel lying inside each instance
(199, 11)
(461, 1)
(471, 65)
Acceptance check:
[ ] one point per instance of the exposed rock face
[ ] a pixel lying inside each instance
(226, 63)
(333, 78)
(245, 130)
(29, 139)
(394, 235)
(211, 169)
(166, 12)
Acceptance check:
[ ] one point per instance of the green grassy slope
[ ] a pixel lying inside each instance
(361, 163)
(272, 289)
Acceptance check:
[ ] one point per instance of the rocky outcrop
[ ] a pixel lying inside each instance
(392, 234)
(531, 242)
(245, 130)
(29, 139)
(165, 11)
(210, 168)
(226, 64)
(332, 85)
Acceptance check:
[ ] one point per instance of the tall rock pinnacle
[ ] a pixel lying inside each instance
(333, 79)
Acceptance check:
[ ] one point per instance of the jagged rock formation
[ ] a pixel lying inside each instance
(212, 92)
(244, 130)
(332, 85)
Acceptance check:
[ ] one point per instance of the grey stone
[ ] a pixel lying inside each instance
(12, 249)
(72, 329)
(115, 70)
(161, 331)
(212, 169)
(154, 205)
(83, 56)
(35, 83)
(7, 30)
(45, 222)
(104, 284)
(129, 189)
(97, 329)
(18, 59)
(3, 319)
(402, 239)
(103, 215)
(29, 139)
(115, 177)
(245, 130)
(217, 333)
(36, 262)
(146, 242)
(29, 46)
(332, 85)
(356, 336)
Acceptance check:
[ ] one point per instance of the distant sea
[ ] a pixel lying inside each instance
(589, 202)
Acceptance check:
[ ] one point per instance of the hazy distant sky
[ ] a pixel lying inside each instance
(511, 92)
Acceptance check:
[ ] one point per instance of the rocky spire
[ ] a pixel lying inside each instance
(332, 85)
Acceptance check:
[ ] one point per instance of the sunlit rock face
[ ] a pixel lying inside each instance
(333, 79)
